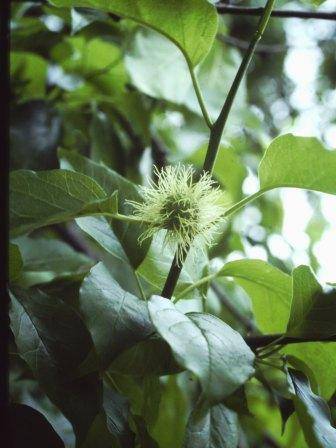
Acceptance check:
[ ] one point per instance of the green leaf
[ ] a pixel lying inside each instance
(99, 434)
(106, 147)
(115, 260)
(191, 24)
(269, 289)
(45, 260)
(115, 318)
(15, 262)
(144, 437)
(110, 428)
(313, 413)
(301, 162)
(313, 314)
(206, 346)
(31, 69)
(157, 69)
(149, 357)
(53, 341)
(27, 424)
(320, 357)
(100, 228)
(143, 394)
(81, 18)
(117, 409)
(42, 198)
(216, 427)
(173, 412)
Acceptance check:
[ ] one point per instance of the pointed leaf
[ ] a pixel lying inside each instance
(320, 357)
(191, 24)
(301, 162)
(313, 413)
(104, 231)
(150, 357)
(269, 289)
(216, 427)
(313, 313)
(15, 262)
(206, 346)
(42, 198)
(45, 260)
(53, 341)
(28, 427)
(115, 318)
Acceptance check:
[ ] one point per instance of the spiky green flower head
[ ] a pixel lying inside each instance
(188, 207)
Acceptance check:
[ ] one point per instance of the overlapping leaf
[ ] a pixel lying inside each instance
(313, 413)
(313, 313)
(53, 341)
(320, 357)
(269, 289)
(100, 228)
(206, 346)
(216, 427)
(115, 318)
(301, 162)
(26, 423)
(45, 260)
(197, 20)
(15, 262)
(42, 198)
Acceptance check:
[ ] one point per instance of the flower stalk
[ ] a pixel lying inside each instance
(216, 132)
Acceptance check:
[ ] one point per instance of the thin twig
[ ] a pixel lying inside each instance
(173, 275)
(244, 11)
(199, 96)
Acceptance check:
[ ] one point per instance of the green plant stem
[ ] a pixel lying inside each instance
(217, 130)
(199, 96)
(195, 285)
(219, 125)
(125, 218)
(173, 275)
(236, 207)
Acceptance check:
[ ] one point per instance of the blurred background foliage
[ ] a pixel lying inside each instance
(120, 94)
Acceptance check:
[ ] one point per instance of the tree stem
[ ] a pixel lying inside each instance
(217, 130)
(219, 125)
(173, 275)
(261, 341)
